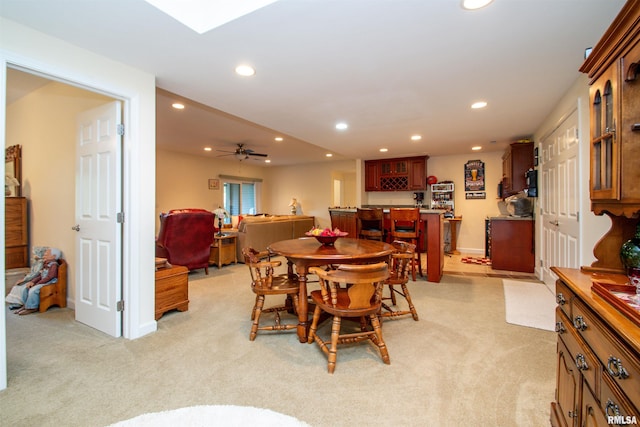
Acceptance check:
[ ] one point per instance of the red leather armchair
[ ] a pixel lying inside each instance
(185, 237)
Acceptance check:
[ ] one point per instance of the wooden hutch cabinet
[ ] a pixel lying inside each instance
(402, 174)
(598, 353)
(516, 161)
(613, 68)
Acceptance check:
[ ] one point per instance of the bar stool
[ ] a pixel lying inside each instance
(405, 225)
(369, 224)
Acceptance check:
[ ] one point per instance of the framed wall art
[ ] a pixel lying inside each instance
(214, 184)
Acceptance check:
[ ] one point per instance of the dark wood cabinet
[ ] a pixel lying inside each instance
(516, 161)
(16, 233)
(418, 174)
(402, 174)
(371, 175)
(344, 221)
(512, 245)
(613, 68)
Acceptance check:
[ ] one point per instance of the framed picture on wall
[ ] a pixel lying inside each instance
(214, 184)
(474, 176)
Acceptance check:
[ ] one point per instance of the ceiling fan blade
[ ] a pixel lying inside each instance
(248, 153)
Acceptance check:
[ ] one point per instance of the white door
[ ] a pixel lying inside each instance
(99, 232)
(559, 217)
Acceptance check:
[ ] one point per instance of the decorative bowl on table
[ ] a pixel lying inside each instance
(327, 237)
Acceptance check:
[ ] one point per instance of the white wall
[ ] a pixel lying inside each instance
(32, 50)
(312, 185)
(182, 180)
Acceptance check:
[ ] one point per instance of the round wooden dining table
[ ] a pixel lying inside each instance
(308, 252)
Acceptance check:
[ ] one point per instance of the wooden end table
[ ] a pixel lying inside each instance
(223, 250)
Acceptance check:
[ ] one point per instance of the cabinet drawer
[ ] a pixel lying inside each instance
(584, 360)
(617, 361)
(564, 297)
(614, 404)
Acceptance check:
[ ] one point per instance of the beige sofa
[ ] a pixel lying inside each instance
(259, 232)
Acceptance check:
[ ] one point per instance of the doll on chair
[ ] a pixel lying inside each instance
(25, 294)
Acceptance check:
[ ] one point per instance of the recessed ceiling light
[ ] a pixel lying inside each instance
(479, 104)
(207, 148)
(278, 138)
(475, 4)
(476, 148)
(267, 161)
(245, 70)
(329, 155)
(178, 106)
(342, 126)
(416, 137)
(384, 150)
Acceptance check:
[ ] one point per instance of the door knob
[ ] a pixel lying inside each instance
(76, 227)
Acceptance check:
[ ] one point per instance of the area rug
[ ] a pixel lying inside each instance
(214, 415)
(474, 260)
(529, 304)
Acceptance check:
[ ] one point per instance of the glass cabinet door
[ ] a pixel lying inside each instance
(604, 147)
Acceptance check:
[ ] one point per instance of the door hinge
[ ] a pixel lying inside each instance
(120, 129)
(577, 134)
(120, 305)
(541, 263)
(120, 217)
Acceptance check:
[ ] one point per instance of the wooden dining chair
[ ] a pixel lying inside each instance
(369, 224)
(399, 268)
(351, 291)
(264, 282)
(405, 225)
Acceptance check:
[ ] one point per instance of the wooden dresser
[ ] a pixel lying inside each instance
(16, 233)
(598, 356)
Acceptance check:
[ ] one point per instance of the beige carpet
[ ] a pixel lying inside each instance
(209, 416)
(461, 364)
(529, 304)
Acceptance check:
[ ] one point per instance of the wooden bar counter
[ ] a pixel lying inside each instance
(431, 228)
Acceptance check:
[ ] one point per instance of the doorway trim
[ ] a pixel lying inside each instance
(27, 49)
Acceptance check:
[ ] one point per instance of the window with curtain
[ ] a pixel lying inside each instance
(239, 198)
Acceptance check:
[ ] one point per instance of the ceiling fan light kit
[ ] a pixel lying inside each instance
(242, 153)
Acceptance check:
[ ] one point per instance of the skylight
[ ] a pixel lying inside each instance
(205, 15)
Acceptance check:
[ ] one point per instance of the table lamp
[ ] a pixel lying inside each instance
(220, 213)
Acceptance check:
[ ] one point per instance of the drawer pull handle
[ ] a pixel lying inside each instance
(581, 362)
(615, 368)
(579, 323)
(560, 328)
(560, 299)
(611, 408)
(573, 414)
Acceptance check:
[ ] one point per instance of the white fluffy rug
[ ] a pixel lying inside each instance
(218, 415)
(529, 304)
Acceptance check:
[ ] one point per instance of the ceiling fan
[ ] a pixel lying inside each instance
(242, 153)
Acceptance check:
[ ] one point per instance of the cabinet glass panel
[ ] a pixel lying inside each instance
(597, 115)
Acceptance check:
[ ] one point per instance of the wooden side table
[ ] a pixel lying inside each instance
(223, 250)
(172, 289)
